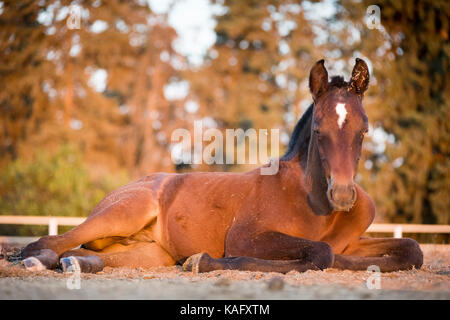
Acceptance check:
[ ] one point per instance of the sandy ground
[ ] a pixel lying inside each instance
(432, 281)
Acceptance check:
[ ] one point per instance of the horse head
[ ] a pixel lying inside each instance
(338, 125)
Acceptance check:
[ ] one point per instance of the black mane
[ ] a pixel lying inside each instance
(338, 82)
(299, 142)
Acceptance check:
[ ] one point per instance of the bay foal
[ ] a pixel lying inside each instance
(310, 215)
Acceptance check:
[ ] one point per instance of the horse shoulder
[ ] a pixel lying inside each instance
(277, 203)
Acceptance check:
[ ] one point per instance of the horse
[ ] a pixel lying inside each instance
(310, 215)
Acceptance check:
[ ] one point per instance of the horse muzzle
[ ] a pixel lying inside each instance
(341, 197)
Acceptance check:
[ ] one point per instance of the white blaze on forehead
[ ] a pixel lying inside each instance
(342, 113)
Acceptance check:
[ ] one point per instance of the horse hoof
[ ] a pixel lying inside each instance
(193, 262)
(33, 264)
(45, 259)
(70, 264)
(87, 264)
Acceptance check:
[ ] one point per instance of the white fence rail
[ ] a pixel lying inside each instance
(54, 222)
(399, 229)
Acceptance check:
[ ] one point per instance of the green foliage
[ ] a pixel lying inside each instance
(58, 185)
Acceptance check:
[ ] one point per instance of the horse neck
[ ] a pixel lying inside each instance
(303, 150)
(315, 181)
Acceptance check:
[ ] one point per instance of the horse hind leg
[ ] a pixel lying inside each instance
(46, 259)
(122, 218)
(139, 254)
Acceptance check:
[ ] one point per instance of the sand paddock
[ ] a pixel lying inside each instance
(432, 281)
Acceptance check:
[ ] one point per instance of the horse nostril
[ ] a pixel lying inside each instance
(342, 193)
(342, 197)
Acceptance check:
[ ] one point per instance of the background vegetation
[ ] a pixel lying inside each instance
(65, 140)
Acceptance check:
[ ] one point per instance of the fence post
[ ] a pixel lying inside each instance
(53, 227)
(398, 232)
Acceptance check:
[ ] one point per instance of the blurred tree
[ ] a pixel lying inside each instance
(99, 86)
(255, 74)
(22, 69)
(408, 107)
(103, 89)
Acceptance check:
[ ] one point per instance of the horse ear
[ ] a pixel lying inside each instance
(360, 77)
(318, 79)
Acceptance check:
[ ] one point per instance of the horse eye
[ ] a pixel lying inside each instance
(318, 135)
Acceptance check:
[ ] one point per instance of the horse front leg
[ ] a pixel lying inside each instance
(265, 252)
(389, 254)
